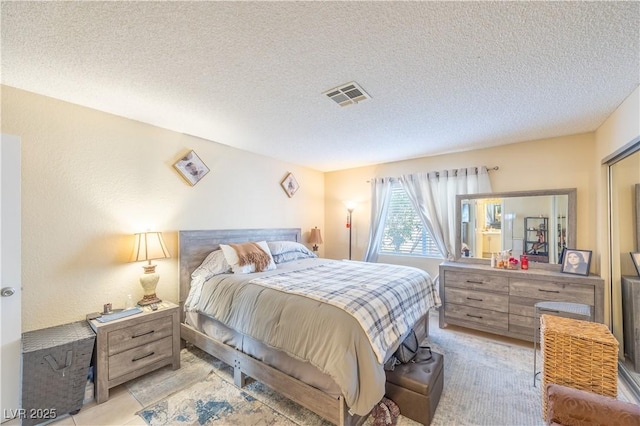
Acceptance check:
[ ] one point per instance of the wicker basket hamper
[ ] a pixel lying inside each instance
(55, 364)
(579, 354)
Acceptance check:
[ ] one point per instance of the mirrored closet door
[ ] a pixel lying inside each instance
(624, 203)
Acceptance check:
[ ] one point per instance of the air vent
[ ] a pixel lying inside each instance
(347, 94)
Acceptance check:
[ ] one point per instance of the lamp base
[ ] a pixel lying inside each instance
(148, 299)
(149, 281)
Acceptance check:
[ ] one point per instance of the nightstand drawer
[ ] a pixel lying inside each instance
(139, 334)
(136, 358)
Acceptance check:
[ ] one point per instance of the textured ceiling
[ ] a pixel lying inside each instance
(443, 76)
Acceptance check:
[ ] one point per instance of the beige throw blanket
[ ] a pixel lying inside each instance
(249, 253)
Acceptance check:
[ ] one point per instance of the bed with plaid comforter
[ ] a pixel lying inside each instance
(343, 317)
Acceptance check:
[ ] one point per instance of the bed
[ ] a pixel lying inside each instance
(336, 374)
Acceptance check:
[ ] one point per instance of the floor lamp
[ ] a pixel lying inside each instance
(350, 210)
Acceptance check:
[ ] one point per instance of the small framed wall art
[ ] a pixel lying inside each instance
(191, 168)
(290, 184)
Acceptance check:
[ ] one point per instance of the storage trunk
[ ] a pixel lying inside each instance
(55, 364)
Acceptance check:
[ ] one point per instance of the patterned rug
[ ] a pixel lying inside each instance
(487, 381)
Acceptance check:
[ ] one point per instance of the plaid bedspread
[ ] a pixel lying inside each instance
(386, 300)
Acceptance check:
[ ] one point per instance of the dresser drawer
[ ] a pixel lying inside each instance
(478, 299)
(552, 291)
(139, 334)
(138, 357)
(477, 281)
(482, 317)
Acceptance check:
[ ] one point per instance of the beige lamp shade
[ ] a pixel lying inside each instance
(148, 246)
(315, 238)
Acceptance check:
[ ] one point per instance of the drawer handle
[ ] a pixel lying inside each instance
(135, 336)
(472, 298)
(549, 291)
(475, 282)
(474, 316)
(549, 310)
(142, 357)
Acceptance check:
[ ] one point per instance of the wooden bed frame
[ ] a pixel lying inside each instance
(194, 247)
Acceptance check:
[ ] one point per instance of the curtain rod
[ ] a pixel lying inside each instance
(488, 169)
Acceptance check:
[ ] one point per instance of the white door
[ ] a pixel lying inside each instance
(10, 270)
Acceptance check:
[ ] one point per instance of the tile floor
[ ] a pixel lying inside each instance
(119, 410)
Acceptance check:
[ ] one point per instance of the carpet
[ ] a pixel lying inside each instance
(487, 381)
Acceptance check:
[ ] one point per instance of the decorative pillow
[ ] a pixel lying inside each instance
(214, 264)
(279, 247)
(291, 255)
(233, 259)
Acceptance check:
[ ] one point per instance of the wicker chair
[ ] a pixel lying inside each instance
(574, 407)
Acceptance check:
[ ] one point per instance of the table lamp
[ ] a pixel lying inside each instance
(149, 246)
(315, 238)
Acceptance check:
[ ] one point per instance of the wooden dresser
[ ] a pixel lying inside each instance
(501, 301)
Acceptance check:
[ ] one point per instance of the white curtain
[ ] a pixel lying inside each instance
(380, 196)
(433, 195)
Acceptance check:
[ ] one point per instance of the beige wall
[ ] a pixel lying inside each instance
(564, 162)
(91, 179)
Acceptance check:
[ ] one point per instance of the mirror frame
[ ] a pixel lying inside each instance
(572, 220)
(637, 216)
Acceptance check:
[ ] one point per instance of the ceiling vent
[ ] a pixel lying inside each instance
(347, 94)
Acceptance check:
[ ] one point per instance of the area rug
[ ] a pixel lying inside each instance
(487, 381)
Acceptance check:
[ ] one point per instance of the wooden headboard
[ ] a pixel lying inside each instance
(196, 245)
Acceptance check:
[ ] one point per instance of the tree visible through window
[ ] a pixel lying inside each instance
(404, 233)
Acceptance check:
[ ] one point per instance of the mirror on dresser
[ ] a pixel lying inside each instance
(539, 223)
(624, 207)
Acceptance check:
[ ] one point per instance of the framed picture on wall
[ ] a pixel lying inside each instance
(576, 262)
(290, 184)
(636, 261)
(191, 168)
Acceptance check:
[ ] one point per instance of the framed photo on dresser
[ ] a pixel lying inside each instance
(576, 262)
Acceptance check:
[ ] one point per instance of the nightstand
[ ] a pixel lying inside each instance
(132, 346)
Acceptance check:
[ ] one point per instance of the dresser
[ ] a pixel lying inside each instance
(129, 347)
(501, 301)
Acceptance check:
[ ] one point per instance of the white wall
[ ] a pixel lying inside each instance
(91, 179)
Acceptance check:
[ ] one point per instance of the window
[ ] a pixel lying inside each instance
(404, 233)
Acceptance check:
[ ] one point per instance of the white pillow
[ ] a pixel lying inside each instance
(233, 260)
(288, 256)
(214, 264)
(279, 247)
